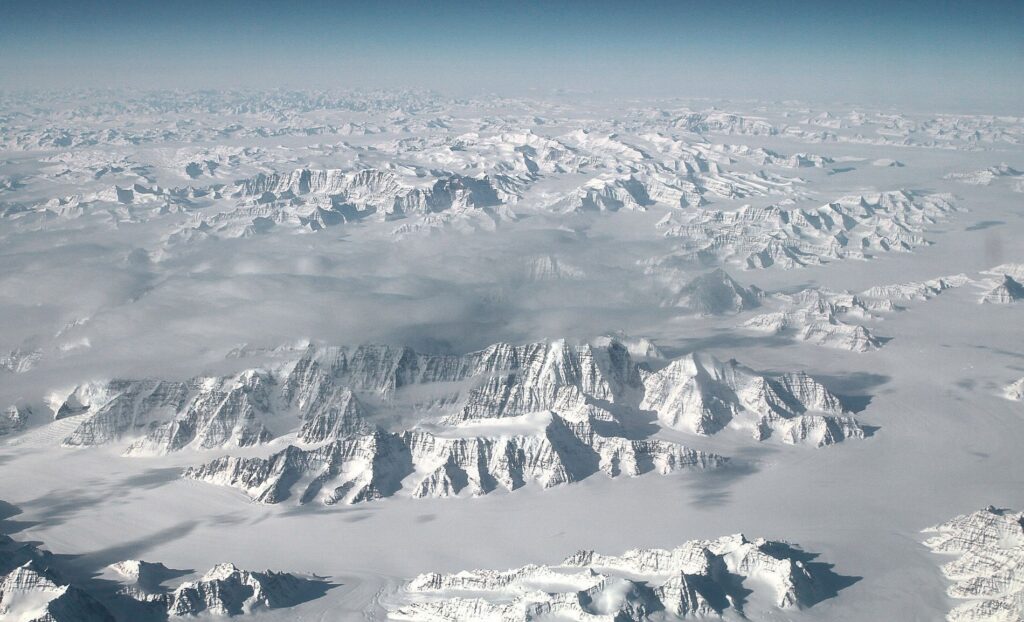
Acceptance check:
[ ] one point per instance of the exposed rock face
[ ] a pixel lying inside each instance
(699, 578)
(823, 318)
(607, 195)
(561, 393)
(1006, 292)
(851, 227)
(368, 467)
(319, 393)
(698, 393)
(550, 268)
(716, 293)
(640, 348)
(832, 319)
(916, 290)
(30, 593)
(226, 590)
(336, 415)
(853, 338)
(989, 572)
(544, 413)
(204, 412)
(31, 590)
(558, 409)
(142, 579)
(1015, 270)
(370, 190)
(316, 199)
(548, 376)
(483, 177)
(213, 412)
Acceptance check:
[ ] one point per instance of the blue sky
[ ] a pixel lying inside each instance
(953, 54)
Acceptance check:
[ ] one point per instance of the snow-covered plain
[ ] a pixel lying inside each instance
(359, 338)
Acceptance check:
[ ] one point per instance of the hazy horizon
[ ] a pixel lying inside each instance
(948, 55)
(406, 302)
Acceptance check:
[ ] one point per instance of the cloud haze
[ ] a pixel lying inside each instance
(957, 54)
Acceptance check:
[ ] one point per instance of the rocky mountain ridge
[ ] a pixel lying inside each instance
(700, 578)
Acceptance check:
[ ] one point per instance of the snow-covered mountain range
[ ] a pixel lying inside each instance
(724, 577)
(807, 326)
(989, 568)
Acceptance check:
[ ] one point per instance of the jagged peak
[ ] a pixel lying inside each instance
(698, 578)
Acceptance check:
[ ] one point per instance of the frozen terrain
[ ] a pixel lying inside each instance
(731, 577)
(988, 571)
(34, 587)
(374, 340)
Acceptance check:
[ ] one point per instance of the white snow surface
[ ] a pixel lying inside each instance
(364, 336)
